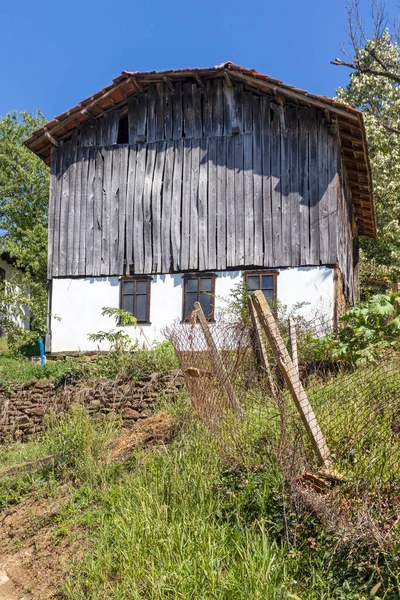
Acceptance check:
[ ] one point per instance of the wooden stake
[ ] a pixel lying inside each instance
(292, 379)
(293, 343)
(219, 368)
(262, 352)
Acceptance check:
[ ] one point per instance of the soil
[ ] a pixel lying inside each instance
(33, 560)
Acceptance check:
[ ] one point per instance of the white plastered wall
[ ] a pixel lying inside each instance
(77, 303)
(13, 277)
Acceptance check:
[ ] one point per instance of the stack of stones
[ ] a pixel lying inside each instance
(23, 407)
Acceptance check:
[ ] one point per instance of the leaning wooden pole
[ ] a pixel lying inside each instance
(262, 352)
(293, 343)
(292, 379)
(218, 365)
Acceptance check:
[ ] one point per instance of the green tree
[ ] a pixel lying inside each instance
(24, 191)
(377, 96)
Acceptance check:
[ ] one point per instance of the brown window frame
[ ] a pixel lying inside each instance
(269, 273)
(191, 276)
(127, 279)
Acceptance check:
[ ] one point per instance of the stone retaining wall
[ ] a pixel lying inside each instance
(23, 407)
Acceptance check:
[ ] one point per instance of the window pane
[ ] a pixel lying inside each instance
(205, 284)
(205, 302)
(191, 298)
(127, 304)
(192, 285)
(267, 282)
(141, 287)
(269, 294)
(129, 287)
(253, 282)
(141, 307)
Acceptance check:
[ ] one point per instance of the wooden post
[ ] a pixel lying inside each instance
(219, 368)
(292, 379)
(261, 348)
(293, 343)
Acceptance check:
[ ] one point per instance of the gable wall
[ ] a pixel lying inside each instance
(212, 178)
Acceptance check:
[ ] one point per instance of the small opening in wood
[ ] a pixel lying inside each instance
(123, 130)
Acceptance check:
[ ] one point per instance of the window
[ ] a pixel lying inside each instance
(264, 281)
(199, 288)
(123, 130)
(135, 297)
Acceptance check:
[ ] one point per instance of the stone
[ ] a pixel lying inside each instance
(38, 411)
(29, 384)
(129, 413)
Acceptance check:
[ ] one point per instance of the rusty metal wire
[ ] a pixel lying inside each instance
(357, 408)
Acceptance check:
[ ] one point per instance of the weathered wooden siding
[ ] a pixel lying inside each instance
(211, 178)
(346, 244)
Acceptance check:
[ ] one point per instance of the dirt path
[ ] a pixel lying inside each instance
(33, 560)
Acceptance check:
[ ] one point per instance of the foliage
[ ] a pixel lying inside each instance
(24, 185)
(82, 444)
(370, 328)
(119, 340)
(379, 100)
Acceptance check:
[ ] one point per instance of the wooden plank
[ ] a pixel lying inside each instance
(258, 258)
(211, 158)
(230, 203)
(292, 379)
(62, 261)
(108, 128)
(294, 187)
(69, 251)
(159, 112)
(147, 229)
(208, 100)
(151, 115)
(176, 206)
(84, 199)
(51, 214)
(197, 112)
(323, 190)
(239, 201)
(218, 107)
(276, 195)
(156, 208)
(88, 136)
(247, 112)
(186, 186)
(123, 179)
(168, 115)
(268, 240)
(107, 207)
(188, 110)
(57, 211)
(261, 351)
(89, 212)
(221, 162)
(333, 185)
(77, 212)
(97, 214)
(237, 108)
(227, 109)
(218, 365)
(313, 188)
(130, 201)
(167, 215)
(248, 199)
(304, 173)
(177, 111)
(284, 113)
(138, 224)
(133, 102)
(203, 222)
(194, 205)
(141, 117)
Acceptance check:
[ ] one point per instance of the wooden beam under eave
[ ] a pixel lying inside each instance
(136, 84)
(198, 79)
(51, 139)
(170, 85)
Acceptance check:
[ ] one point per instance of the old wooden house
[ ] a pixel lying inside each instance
(171, 187)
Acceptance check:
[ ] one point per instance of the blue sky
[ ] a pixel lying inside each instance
(55, 54)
